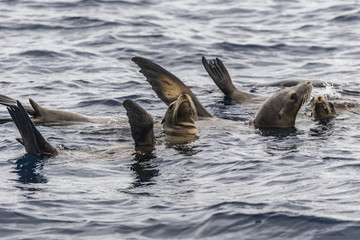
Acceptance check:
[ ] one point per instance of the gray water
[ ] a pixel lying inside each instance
(234, 181)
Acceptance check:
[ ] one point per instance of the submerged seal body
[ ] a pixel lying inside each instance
(42, 115)
(322, 109)
(280, 110)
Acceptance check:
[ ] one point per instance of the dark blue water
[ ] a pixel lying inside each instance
(234, 181)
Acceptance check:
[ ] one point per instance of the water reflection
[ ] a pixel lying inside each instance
(277, 132)
(144, 167)
(280, 140)
(182, 144)
(29, 168)
(323, 128)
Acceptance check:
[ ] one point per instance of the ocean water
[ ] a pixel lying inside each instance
(234, 181)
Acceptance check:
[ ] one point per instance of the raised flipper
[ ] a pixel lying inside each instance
(8, 101)
(141, 123)
(166, 85)
(218, 72)
(31, 138)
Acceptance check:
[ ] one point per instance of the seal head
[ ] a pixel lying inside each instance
(280, 110)
(323, 109)
(180, 116)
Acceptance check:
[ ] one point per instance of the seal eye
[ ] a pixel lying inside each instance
(331, 106)
(293, 96)
(171, 106)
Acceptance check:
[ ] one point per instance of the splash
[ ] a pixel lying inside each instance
(329, 92)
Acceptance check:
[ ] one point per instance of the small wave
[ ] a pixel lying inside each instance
(42, 53)
(84, 3)
(278, 47)
(313, 65)
(248, 47)
(347, 17)
(351, 92)
(30, 26)
(67, 23)
(78, 22)
(106, 102)
(270, 225)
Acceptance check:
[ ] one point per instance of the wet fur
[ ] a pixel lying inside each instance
(280, 110)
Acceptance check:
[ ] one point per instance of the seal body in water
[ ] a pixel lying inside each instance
(178, 122)
(41, 115)
(280, 110)
(219, 74)
(322, 109)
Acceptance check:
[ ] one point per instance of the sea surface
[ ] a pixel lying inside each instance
(234, 181)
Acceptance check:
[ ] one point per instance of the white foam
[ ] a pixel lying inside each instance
(329, 92)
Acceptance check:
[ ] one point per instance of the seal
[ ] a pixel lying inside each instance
(322, 109)
(280, 110)
(178, 122)
(42, 115)
(31, 138)
(166, 85)
(220, 75)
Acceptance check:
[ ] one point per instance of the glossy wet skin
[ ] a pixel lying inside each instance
(180, 116)
(323, 109)
(281, 109)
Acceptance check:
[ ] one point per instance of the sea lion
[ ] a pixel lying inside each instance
(322, 109)
(178, 122)
(166, 85)
(41, 115)
(31, 138)
(281, 109)
(219, 74)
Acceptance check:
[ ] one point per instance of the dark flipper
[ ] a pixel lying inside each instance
(218, 72)
(32, 139)
(8, 101)
(166, 85)
(220, 75)
(141, 123)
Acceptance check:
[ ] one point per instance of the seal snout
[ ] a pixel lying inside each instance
(319, 99)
